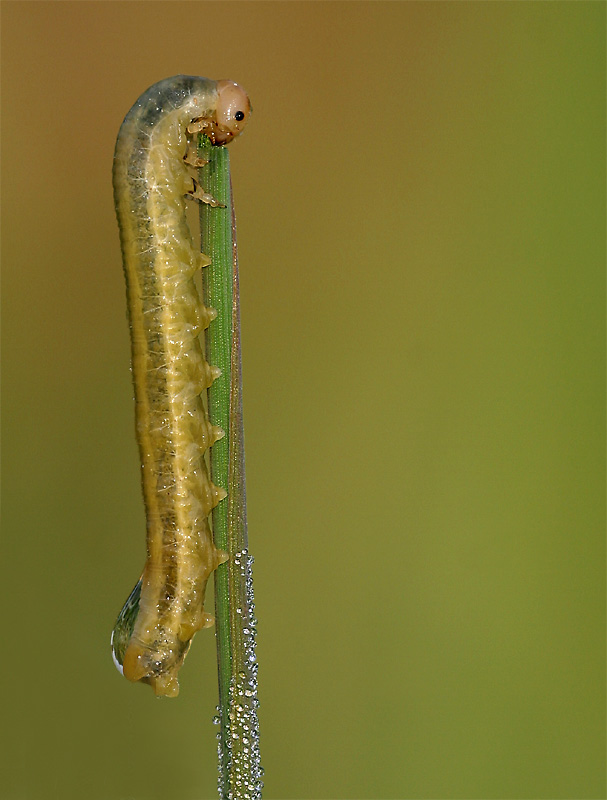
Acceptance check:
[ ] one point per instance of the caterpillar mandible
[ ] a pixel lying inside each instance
(154, 163)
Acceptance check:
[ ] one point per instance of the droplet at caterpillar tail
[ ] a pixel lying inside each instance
(154, 173)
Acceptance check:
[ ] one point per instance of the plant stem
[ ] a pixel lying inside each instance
(238, 739)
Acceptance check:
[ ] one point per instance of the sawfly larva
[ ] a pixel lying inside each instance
(154, 172)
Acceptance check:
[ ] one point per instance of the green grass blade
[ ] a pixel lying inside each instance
(238, 739)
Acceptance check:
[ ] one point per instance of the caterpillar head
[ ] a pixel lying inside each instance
(232, 111)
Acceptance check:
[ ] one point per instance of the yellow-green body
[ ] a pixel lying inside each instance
(169, 373)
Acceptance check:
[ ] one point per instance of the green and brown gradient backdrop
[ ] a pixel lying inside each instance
(420, 200)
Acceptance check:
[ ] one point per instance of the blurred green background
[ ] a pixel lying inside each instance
(421, 212)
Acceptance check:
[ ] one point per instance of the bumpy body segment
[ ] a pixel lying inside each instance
(169, 373)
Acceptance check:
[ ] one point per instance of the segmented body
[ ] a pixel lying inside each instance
(169, 373)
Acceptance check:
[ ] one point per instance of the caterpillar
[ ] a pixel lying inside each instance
(154, 173)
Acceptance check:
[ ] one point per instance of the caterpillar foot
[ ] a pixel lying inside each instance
(197, 193)
(198, 125)
(192, 158)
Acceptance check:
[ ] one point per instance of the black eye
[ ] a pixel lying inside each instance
(239, 115)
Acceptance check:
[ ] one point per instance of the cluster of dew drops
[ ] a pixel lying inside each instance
(243, 757)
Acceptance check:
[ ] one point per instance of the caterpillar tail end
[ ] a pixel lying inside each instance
(130, 658)
(136, 667)
(134, 659)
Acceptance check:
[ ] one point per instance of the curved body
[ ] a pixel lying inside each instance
(169, 373)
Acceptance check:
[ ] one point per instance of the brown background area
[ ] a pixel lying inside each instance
(420, 200)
